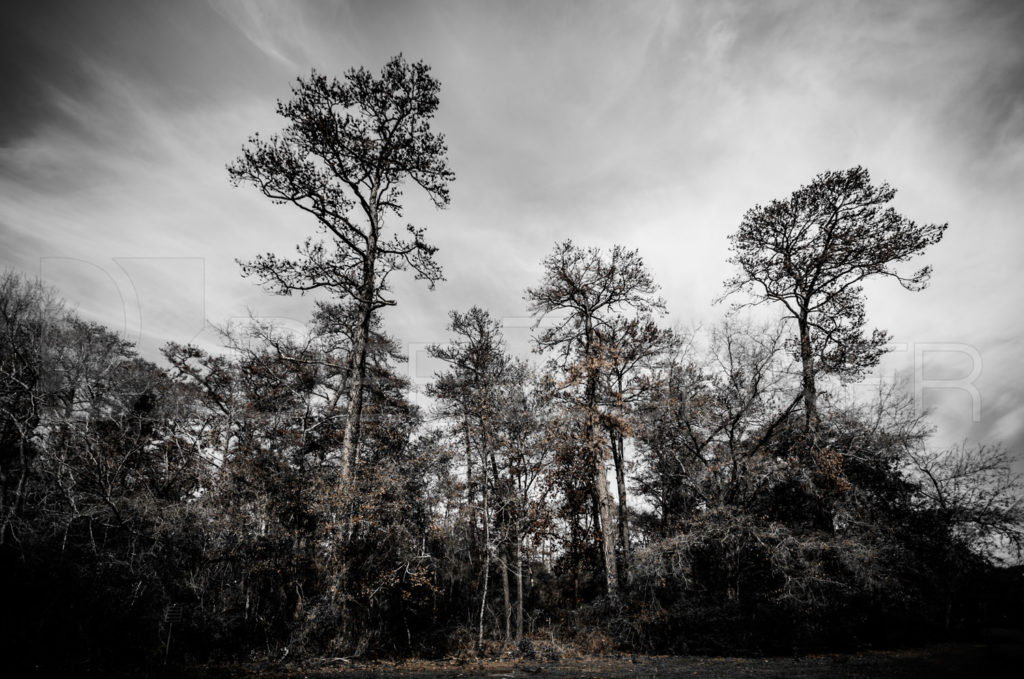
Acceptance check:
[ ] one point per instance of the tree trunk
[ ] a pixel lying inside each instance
(810, 389)
(595, 511)
(470, 491)
(355, 397)
(663, 477)
(361, 340)
(487, 566)
(596, 450)
(519, 585)
(501, 492)
(606, 534)
(506, 595)
(620, 483)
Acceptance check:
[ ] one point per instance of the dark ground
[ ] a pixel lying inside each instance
(1000, 655)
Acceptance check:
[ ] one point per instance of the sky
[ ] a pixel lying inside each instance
(653, 125)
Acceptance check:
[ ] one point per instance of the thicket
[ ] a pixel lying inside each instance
(637, 488)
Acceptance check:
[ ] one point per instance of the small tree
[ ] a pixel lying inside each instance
(630, 348)
(976, 494)
(470, 394)
(593, 290)
(344, 156)
(810, 252)
(30, 316)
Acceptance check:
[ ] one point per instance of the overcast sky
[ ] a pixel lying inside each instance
(650, 124)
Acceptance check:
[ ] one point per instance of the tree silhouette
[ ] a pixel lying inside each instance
(593, 290)
(348, 149)
(811, 251)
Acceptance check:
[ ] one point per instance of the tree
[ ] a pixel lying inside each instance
(30, 315)
(810, 253)
(527, 430)
(470, 394)
(346, 153)
(287, 564)
(976, 495)
(593, 291)
(705, 425)
(94, 493)
(629, 346)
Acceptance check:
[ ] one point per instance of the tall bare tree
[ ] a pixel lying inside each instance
(811, 252)
(347, 151)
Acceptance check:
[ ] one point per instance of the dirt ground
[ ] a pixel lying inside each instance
(997, 657)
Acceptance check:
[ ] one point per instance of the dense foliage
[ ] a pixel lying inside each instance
(210, 489)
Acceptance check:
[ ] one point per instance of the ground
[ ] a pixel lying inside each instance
(1000, 656)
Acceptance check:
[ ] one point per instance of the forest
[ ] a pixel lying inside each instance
(629, 487)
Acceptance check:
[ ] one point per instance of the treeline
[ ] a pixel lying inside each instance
(212, 486)
(634, 488)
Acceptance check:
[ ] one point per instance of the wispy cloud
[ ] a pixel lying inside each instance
(654, 125)
(276, 28)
